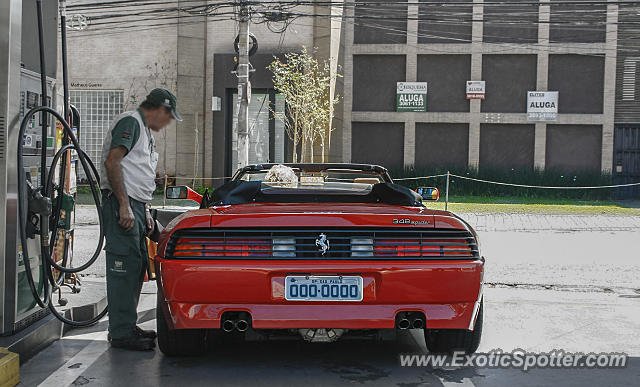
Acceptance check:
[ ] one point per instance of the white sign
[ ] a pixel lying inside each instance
(411, 96)
(542, 105)
(411, 87)
(475, 90)
(216, 104)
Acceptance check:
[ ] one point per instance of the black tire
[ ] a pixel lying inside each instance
(178, 342)
(451, 340)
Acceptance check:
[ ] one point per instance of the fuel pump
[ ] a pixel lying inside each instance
(45, 201)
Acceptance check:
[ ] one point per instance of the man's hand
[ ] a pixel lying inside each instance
(151, 224)
(127, 220)
(114, 174)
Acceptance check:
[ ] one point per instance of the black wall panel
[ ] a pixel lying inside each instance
(574, 148)
(374, 81)
(508, 78)
(579, 23)
(442, 145)
(446, 76)
(378, 143)
(442, 23)
(506, 146)
(579, 79)
(511, 23)
(380, 23)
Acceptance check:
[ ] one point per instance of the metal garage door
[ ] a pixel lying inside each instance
(626, 159)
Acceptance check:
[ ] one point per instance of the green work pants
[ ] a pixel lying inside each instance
(127, 262)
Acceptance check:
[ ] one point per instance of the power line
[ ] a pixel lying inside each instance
(435, 21)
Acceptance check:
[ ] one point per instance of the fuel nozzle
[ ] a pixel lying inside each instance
(38, 206)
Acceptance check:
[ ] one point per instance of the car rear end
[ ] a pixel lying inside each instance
(331, 271)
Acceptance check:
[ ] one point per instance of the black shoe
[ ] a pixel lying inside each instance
(146, 333)
(134, 343)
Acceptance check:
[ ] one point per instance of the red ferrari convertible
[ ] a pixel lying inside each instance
(336, 249)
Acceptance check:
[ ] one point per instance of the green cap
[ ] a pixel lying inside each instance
(163, 97)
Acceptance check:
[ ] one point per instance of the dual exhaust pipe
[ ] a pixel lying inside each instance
(238, 322)
(410, 320)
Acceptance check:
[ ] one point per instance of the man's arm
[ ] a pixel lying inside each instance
(114, 174)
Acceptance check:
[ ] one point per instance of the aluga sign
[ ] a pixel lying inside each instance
(542, 105)
(411, 96)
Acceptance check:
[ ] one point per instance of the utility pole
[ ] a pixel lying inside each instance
(244, 86)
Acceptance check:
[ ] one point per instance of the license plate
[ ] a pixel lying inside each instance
(323, 288)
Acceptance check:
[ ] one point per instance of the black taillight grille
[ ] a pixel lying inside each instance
(343, 244)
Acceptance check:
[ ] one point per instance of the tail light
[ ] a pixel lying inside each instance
(422, 248)
(397, 247)
(194, 247)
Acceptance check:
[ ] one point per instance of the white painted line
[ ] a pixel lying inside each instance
(69, 371)
(73, 368)
(465, 382)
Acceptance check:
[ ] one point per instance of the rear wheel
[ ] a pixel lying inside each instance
(450, 340)
(178, 342)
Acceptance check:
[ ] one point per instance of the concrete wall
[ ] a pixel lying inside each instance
(134, 62)
(519, 47)
(180, 57)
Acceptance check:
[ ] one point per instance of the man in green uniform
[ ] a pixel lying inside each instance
(128, 172)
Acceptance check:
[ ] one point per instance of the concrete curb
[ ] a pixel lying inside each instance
(31, 340)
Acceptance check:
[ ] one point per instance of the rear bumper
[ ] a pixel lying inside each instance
(197, 293)
(440, 316)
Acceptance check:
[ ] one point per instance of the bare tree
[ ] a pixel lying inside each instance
(305, 85)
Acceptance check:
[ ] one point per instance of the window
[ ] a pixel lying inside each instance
(97, 110)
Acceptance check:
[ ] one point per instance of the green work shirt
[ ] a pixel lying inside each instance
(130, 131)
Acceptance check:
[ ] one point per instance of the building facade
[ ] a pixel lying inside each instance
(515, 49)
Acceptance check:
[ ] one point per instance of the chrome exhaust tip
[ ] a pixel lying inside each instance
(228, 325)
(242, 325)
(417, 323)
(404, 323)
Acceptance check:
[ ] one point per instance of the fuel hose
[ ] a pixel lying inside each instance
(46, 251)
(44, 195)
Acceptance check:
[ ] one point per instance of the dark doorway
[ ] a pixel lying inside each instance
(626, 160)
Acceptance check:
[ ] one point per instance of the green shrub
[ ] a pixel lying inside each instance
(463, 187)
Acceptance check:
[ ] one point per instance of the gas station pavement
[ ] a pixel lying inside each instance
(537, 320)
(570, 284)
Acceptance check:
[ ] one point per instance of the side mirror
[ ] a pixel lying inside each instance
(182, 192)
(428, 193)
